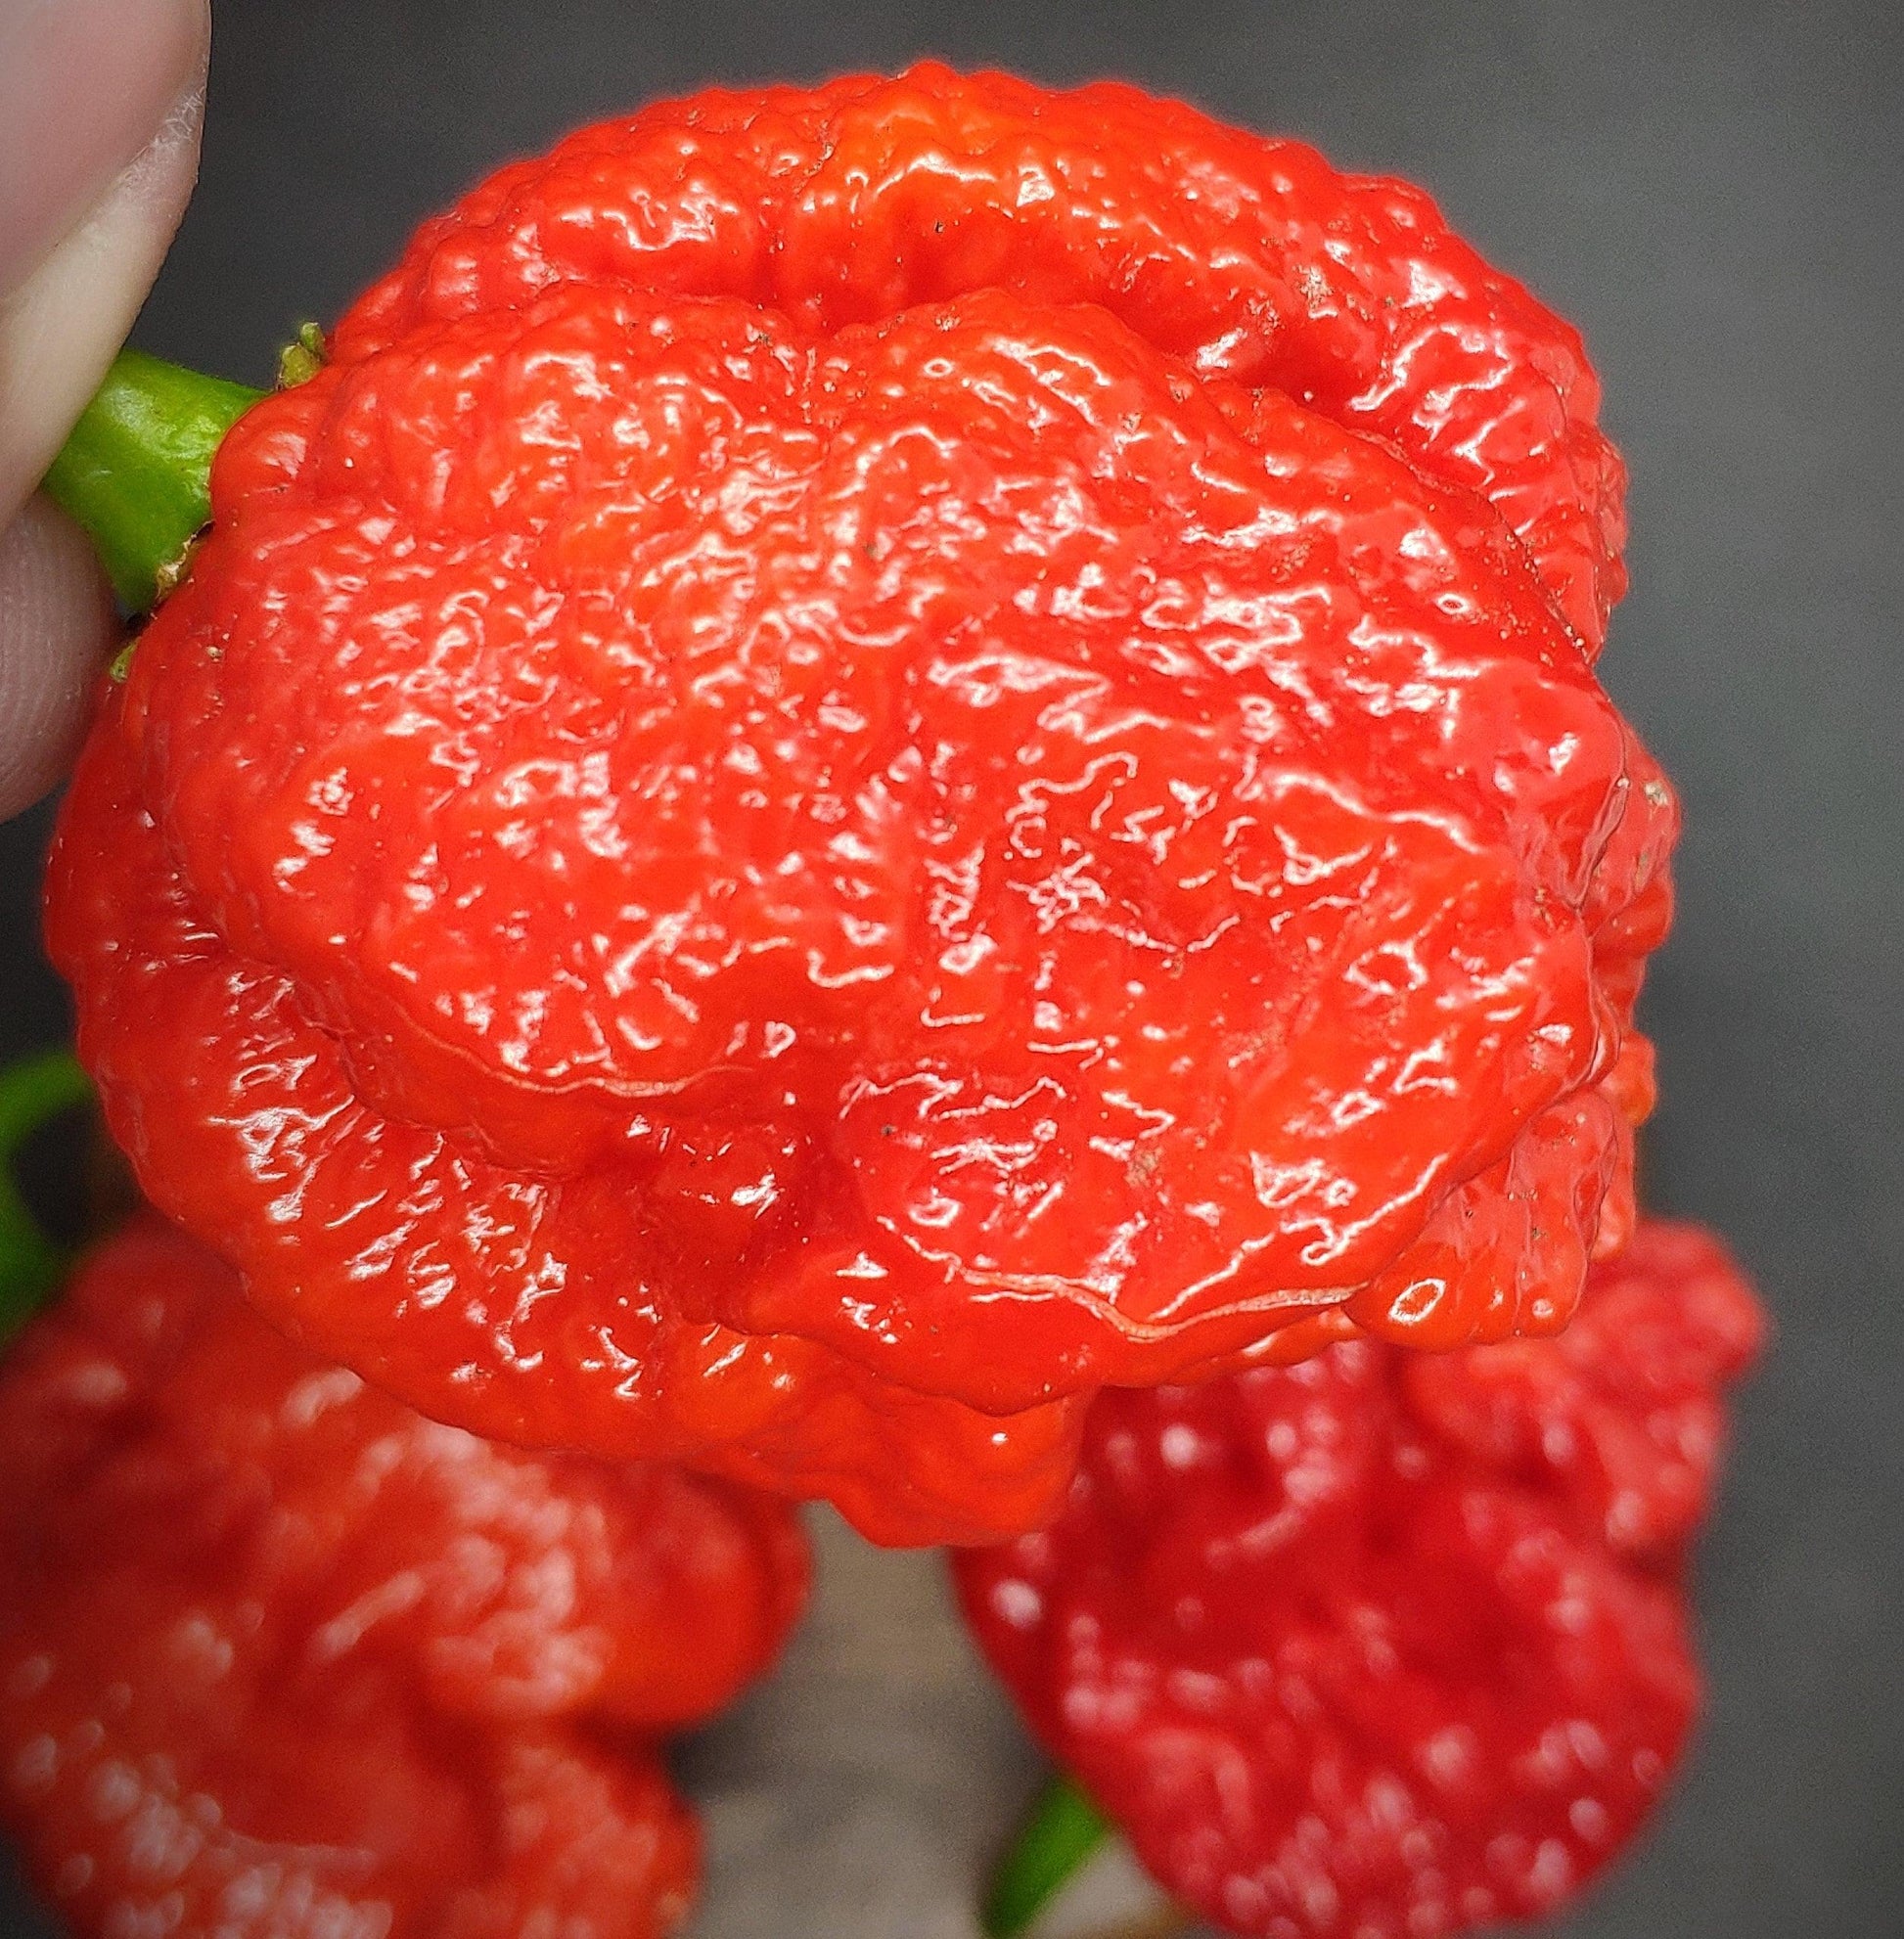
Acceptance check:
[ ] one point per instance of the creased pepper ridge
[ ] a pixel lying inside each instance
(869, 738)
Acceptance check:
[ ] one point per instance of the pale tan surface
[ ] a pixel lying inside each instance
(863, 1792)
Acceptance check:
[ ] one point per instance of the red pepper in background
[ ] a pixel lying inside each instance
(277, 1657)
(1386, 1643)
(874, 756)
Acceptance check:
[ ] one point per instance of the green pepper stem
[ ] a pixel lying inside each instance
(1061, 1831)
(137, 468)
(33, 1093)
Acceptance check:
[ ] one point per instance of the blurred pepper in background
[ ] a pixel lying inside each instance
(1388, 1644)
(278, 1656)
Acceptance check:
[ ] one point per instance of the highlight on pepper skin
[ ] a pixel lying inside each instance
(278, 1656)
(1382, 1643)
(805, 807)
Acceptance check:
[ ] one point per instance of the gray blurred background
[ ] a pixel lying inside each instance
(1716, 195)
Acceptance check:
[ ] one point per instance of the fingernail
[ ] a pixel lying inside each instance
(61, 323)
(85, 87)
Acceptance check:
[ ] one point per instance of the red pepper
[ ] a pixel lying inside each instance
(1384, 1644)
(279, 1657)
(875, 756)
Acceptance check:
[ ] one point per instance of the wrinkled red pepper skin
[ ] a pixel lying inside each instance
(1387, 1643)
(875, 756)
(280, 1659)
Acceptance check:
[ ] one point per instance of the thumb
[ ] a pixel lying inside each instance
(101, 103)
(117, 87)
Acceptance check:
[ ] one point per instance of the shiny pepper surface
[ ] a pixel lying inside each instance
(1387, 1644)
(875, 756)
(278, 1659)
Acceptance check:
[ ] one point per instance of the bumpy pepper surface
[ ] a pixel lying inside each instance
(278, 1659)
(1386, 1643)
(873, 757)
